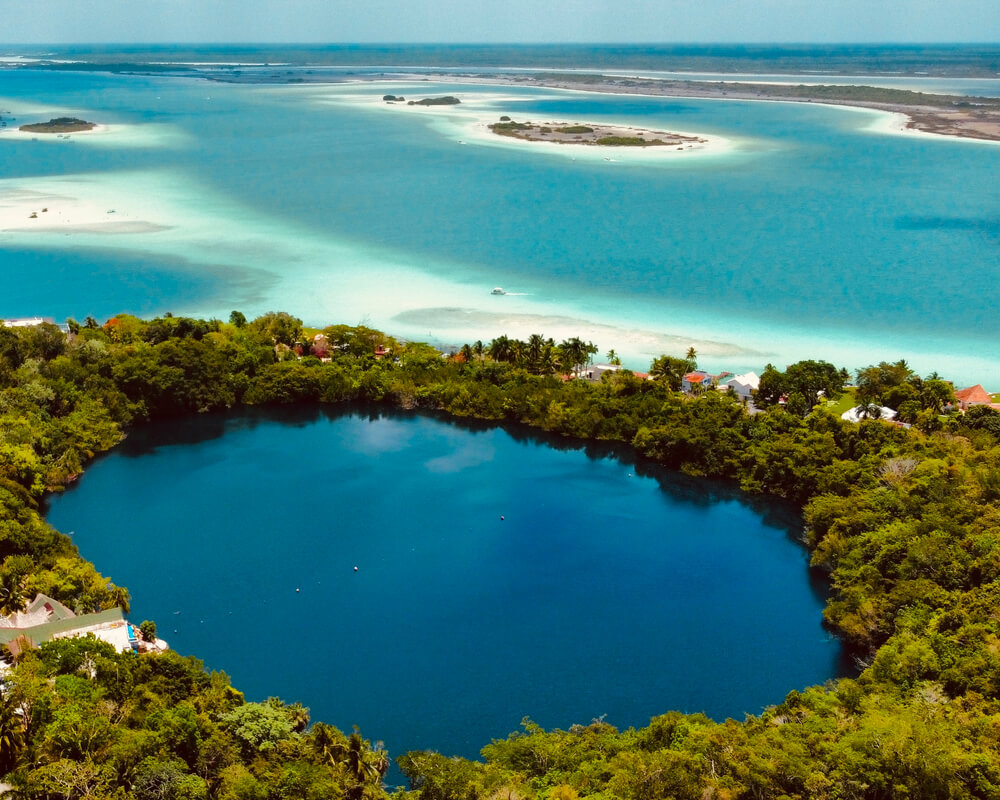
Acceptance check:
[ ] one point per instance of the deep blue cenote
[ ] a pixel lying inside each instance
(500, 574)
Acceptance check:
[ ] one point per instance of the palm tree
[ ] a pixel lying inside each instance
(517, 352)
(692, 356)
(326, 743)
(870, 410)
(298, 715)
(576, 352)
(536, 344)
(477, 348)
(466, 353)
(366, 766)
(380, 759)
(11, 594)
(500, 349)
(549, 362)
(612, 357)
(119, 596)
(11, 734)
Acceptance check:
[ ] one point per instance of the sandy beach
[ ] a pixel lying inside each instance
(632, 340)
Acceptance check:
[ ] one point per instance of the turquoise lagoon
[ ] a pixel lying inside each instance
(814, 235)
(500, 573)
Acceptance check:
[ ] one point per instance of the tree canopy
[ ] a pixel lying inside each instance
(905, 523)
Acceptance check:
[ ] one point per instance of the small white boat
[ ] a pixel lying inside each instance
(498, 290)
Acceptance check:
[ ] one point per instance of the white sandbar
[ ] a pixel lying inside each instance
(468, 123)
(48, 210)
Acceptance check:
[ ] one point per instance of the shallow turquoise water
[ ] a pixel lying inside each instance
(607, 589)
(815, 238)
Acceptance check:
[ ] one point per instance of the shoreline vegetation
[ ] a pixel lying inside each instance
(447, 100)
(590, 134)
(59, 125)
(905, 522)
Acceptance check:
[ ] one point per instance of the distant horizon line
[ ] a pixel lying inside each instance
(574, 43)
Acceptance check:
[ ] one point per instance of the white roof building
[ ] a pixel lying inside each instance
(743, 385)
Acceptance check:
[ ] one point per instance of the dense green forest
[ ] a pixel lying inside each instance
(904, 521)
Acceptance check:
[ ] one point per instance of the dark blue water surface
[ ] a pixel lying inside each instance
(499, 574)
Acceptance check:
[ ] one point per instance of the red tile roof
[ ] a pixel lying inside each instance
(694, 377)
(974, 395)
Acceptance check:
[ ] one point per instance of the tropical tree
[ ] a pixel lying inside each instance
(534, 349)
(577, 353)
(670, 370)
(518, 351)
(612, 357)
(365, 766)
(119, 596)
(869, 410)
(11, 733)
(500, 349)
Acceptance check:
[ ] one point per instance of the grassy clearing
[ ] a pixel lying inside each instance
(843, 403)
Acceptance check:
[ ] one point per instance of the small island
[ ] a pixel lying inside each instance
(447, 100)
(60, 125)
(600, 135)
(391, 98)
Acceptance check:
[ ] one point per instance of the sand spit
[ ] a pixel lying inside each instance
(29, 211)
(469, 123)
(17, 133)
(558, 326)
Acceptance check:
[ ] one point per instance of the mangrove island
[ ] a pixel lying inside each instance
(601, 135)
(60, 125)
(447, 100)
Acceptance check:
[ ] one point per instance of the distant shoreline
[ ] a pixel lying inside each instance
(944, 115)
(956, 116)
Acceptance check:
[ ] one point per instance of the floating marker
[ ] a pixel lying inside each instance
(501, 517)
(355, 569)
